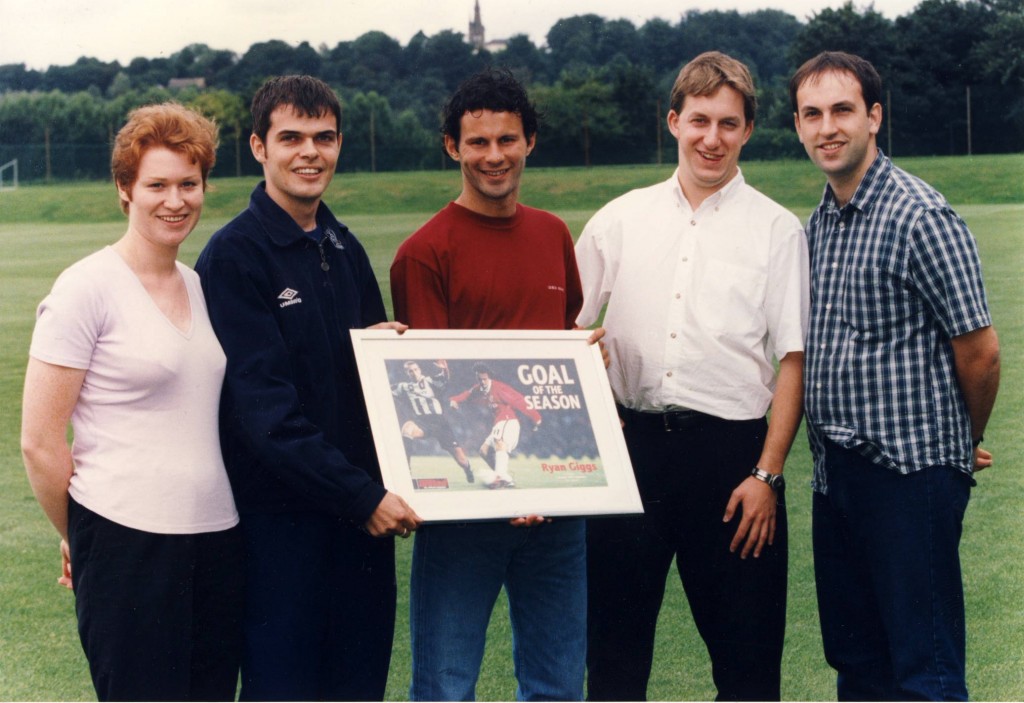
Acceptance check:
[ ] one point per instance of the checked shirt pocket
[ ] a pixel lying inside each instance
(875, 301)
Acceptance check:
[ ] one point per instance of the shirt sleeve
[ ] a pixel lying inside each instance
(511, 396)
(591, 260)
(787, 300)
(945, 267)
(418, 293)
(262, 401)
(573, 285)
(68, 323)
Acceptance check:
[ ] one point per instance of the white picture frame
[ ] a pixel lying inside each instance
(575, 463)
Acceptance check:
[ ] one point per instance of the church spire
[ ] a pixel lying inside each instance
(476, 28)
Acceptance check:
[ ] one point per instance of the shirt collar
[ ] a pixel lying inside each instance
(867, 190)
(720, 196)
(282, 229)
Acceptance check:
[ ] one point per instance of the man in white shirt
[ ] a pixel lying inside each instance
(706, 283)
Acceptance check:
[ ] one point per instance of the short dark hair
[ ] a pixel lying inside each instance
(308, 96)
(494, 89)
(839, 62)
(481, 367)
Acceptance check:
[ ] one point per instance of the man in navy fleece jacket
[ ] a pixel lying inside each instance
(285, 281)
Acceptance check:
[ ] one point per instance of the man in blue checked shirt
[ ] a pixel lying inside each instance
(902, 368)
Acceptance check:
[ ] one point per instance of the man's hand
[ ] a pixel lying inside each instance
(595, 338)
(757, 526)
(393, 516)
(982, 458)
(396, 326)
(65, 565)
(528, 521)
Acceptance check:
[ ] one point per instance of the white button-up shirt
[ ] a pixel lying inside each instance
(699, 301)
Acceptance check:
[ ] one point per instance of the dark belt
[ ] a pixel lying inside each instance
(668, 421)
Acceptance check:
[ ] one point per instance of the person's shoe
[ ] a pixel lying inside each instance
(469, 472)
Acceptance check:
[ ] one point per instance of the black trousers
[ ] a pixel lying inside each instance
(685, 478)
(159, 616)
(320, 609)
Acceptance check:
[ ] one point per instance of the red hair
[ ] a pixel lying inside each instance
(167, 125)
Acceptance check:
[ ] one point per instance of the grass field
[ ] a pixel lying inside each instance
(45, 228)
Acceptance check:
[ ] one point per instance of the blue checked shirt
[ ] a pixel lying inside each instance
(894, 275)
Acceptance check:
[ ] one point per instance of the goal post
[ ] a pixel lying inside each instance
(9, 175)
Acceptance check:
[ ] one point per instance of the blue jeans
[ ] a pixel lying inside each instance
(457, 572)
(887, 568)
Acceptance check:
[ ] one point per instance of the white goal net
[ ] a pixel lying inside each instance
(9, 175)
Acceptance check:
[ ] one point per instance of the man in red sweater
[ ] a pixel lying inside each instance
(488, 262)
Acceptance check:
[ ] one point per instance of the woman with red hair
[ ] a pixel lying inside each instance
(124, 351)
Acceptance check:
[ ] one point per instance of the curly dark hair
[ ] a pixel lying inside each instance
(494, 89)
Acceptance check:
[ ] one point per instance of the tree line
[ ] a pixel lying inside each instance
(953, 71)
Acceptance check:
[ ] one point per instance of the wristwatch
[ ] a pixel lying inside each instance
(774, 480)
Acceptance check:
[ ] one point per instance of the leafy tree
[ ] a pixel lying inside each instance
(15, 77)
(83, 74)
(931, 72)
(580, 119)
(572, 41)
(633, 92)
(660, 47)
(146, 72)
(767, 31)
(524, 59)
(617, 39)
(120, 85)
(376, 139)
(377, 60)
(448, 57)
(232, 117)
(271, 58)
(867, 34)
(1000, 58)
(718, 30)
(200, 61)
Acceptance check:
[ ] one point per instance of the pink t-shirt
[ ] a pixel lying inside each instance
(146, 448)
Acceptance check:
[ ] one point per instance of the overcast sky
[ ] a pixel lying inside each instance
(40, 33)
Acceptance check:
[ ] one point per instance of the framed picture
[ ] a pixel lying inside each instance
(474, 425)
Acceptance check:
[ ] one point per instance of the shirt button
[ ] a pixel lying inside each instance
(693, 222)
(673, 336)
(669, 374)
(828, 306)
(678, 296)
(835, 264)
(685, 259)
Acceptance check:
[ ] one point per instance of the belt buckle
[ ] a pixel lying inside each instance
(666, 421)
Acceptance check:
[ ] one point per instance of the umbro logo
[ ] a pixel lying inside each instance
(289, 296)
